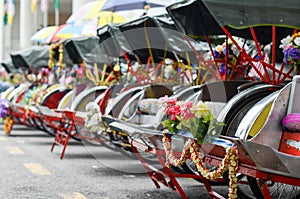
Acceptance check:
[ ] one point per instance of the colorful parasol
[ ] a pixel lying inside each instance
(88, 13)
(116, 11)
(67, 31)
(109, 17)
(43, 35)
(117, 5)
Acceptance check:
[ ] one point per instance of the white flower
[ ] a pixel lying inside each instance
(297, 41)
(285, 42)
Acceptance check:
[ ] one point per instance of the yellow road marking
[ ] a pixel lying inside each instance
(14, 150)
(74, 195)
(3, 138)
(37, 169)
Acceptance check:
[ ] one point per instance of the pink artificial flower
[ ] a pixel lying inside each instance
(80, 72)
(174, 111)
(166, 101)
(186, 110)
(172, 102)
(163, 99)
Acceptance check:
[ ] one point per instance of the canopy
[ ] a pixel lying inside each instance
(77, 48)
(8, 65)
(34, 57)
(112, 40)
(160, 35)
(245, 13)
(97, 56)
(85, 49)
(200, 18)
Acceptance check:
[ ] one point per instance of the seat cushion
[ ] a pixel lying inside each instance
(149, 106)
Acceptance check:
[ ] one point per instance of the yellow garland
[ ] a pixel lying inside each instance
(295, 35)
(191, 148)
(51, 61)
(61, 56)
(8, 124)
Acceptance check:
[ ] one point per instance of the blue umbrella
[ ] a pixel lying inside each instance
(120, 5)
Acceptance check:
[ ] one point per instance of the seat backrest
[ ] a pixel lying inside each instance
(221, 91)
(157, 91)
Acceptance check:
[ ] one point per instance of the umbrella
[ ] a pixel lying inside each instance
(116, 12)
(88, 13)
(67, 31)
(42, 36)
(109, 17)
(118, 5)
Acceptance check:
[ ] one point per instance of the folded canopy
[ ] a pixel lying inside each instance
(34, 57)
(200, 18)
(245, 13)
(78, 47)
(159, 34)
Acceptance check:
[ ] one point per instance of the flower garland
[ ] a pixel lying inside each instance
(190, 150)
(8, 124)
(51, 62)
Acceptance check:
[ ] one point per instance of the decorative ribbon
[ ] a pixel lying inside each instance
(191, 151)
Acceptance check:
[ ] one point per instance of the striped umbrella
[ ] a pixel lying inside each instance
(118, 5)
(43, 35)
(67, 31)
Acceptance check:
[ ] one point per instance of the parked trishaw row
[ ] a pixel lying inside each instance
(209, 91)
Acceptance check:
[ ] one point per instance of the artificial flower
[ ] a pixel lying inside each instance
(285, 41)
(201, 110)
(188, 117)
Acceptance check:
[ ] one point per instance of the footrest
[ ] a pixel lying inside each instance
(61, 138)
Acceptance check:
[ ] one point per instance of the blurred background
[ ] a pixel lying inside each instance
(23, 18)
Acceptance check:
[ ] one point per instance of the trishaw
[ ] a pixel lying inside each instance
(253, 134)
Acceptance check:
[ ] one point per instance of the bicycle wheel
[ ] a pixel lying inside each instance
(276, 190)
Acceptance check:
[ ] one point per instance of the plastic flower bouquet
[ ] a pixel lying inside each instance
(188, 117)
(291, 50)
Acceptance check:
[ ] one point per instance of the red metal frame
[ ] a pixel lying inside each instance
(166, 176)
(277, 76)
(281, 75)
(214, 157)
(65, 130)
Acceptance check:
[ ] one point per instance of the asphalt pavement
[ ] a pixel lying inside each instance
(30, 170)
